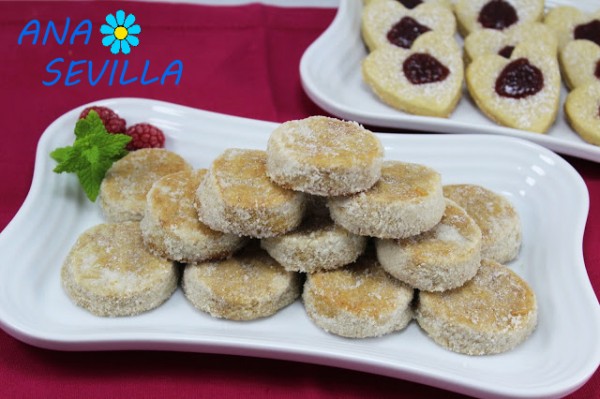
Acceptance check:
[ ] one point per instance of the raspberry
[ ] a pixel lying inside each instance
(145, 135)
(112, 122)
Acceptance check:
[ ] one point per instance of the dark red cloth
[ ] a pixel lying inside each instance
(239, 60)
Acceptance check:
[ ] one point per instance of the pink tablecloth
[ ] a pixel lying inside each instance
(239, 60)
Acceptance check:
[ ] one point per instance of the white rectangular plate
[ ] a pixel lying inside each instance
(330, 70)
(549, 195)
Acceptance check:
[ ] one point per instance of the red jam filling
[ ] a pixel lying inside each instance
(506, 51)
(410, 4)
(421, 68)
(597, 71)
(497, 14)
(405, 32)
(589, 31)
(519, 79)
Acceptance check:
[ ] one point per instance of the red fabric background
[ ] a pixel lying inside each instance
(237, 60)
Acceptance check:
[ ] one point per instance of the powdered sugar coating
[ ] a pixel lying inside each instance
(580, 63)
(582, 108)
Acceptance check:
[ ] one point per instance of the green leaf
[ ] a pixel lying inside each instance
(93, 152)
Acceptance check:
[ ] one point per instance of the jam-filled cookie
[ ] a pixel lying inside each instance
(390, 23)
(580, 63)
(410, 4)
(582, 108)
(521, 92)
(571, 23)
(425, 80)
(491, 41)
(473, 15)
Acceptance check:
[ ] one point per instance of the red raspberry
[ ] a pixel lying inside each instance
(145, 135)
(112, 122)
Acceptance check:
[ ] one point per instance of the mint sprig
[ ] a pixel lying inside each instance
(92, 153)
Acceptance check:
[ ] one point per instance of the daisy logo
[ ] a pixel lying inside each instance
(120, 32)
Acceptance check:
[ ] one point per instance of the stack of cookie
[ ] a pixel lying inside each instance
(368, 243)
(514, 56)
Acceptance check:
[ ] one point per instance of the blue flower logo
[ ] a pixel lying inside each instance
(120, 32)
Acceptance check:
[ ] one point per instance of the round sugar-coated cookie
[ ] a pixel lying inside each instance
(439, 259)
(324, 156)
(492, 313)
(318, 244)
(496, 217)
(124, 187)
(237, 197)
(406, 201)
(358, 301)
(249, 285)
(171, 228)
(109, 272)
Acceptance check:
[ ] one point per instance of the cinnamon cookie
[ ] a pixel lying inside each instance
(496, 217)
(474, 15)
(124, 188)
(520, 92)
(171, 228)
(492, 313)
(391, 23)
(425, 80)
(406, 201)
(324, 156)
(439, 259)
(358, 301)
(237, 197)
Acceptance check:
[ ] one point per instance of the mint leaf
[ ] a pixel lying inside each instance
(93, 152)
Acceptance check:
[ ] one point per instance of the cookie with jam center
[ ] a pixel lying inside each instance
(580, 63)
(570, 23)
(390, 23)
(491, 41)
(473, 15)
(521, 92)
(425, 80)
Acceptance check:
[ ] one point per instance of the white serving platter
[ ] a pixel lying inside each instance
(330, 71)
(549, 195)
